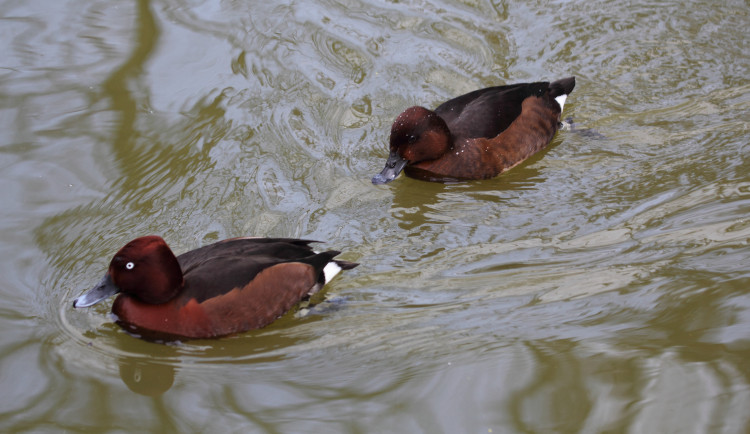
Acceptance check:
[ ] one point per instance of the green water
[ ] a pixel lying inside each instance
(600, 287)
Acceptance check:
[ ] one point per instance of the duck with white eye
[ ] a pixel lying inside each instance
(227, 287)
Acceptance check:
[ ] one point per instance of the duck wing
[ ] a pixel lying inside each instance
(487, 112)
(218, 268)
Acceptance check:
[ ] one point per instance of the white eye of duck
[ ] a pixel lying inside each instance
(129, 265)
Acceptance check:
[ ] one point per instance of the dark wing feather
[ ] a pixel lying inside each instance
(220, 267)
(487, 112)
(287, 247)
(451, 109)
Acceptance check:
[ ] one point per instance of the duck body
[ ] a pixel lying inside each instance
(477, 135)
(224, 288)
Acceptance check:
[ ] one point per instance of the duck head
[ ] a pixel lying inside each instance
(145, 268)
(417, 134)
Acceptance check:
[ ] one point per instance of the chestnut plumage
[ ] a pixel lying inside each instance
(220, 289)
(477, 135)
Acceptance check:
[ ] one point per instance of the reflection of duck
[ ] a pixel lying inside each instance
(478, 135)
(435, 202)
(146, 378)
(568, 124)
(223, 288)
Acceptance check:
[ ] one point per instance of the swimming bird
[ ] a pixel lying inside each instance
(477, 135)
(223, 288)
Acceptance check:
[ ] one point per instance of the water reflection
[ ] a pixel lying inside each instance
(146, 378)
(417, 203)
(600, 287)
(125, 79)
(152, 368)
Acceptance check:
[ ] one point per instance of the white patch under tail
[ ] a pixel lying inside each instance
(331, 270)
(561, 100)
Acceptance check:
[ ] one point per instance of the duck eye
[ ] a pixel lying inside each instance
(129, 265)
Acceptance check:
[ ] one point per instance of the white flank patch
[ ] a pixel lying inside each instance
(331, 270)
(561, 100)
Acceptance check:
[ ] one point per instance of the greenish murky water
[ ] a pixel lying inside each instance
(603, 286)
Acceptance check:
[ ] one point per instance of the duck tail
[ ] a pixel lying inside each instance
(346, 265)
(560, 89)
(329, 267)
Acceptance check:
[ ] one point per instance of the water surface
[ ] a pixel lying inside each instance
(601, 286)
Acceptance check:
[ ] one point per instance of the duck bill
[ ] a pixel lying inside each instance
(393, 167)
(102, 290)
